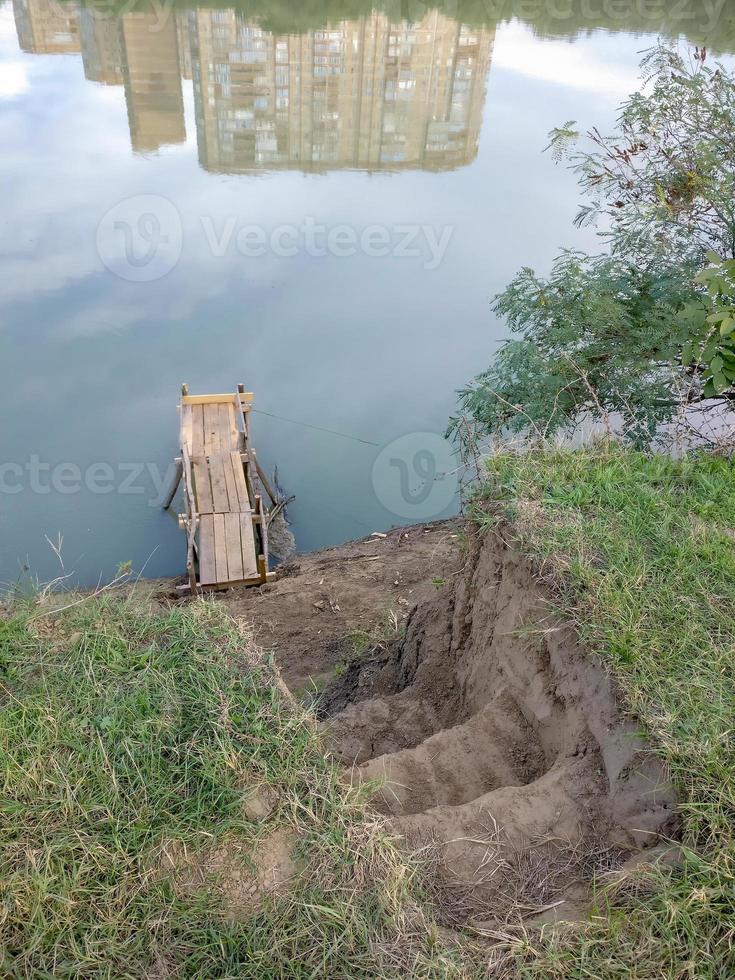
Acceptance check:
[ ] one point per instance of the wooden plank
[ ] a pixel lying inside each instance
(242, 417)
(232, 494)
(258, 580)
(205, 503)
(220, 497)
(249, 558)
(240, 484)
(263, 536)
(197, 432)
(247, 452)
(186, 428)
(246, 397)
(231, 424)
(211, 430)
(223, 428)
(235, 567)
(220, 548)
(225, 435)
(207, 568)
(191, 509)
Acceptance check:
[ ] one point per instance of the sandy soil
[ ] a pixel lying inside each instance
(310, 616)
(504, 753)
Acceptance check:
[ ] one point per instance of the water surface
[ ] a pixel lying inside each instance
(317, 201)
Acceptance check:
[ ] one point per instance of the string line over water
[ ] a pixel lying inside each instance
(318, 428)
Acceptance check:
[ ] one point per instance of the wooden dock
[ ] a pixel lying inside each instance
(225, 521)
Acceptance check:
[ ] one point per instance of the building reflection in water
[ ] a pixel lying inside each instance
(102, 48)
(152, 80)
(47, 27)
(369, 93)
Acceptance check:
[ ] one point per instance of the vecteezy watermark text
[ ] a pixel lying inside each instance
(318, 240)
(414, 477)
(40, 477)
(142, 239)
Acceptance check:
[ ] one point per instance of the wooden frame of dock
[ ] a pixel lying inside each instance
(225, 520)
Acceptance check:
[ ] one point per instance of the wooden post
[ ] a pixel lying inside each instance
(264, 479)
(192, 574)
(243, 419)
(193, 520)
(247, 450)
(175, 485)
(263, 557)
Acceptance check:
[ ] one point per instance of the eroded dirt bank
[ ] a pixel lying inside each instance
(502, 747)
(505, 758)
(326, 604)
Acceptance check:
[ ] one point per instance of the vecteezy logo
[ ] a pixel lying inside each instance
(141, 238)
(415, 477)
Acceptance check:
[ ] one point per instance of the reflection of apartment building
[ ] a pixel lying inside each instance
(152, 79)
(182, 33)
(47, 26)
(138, 50)
(368, 93)
(101, 42)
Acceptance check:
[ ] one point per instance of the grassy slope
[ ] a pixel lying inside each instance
(640, 551)
(127, 735)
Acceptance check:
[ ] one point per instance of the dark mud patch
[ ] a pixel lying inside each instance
(502, 751)
(360, 679)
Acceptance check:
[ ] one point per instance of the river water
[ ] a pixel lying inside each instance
(318, 200)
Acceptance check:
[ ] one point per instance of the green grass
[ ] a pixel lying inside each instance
(128, 735)
(639, 551)
(133, 740)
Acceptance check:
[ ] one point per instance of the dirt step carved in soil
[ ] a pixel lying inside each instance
(503, 752)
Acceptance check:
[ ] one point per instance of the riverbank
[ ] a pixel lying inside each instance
(550, 684)
(637, 551)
